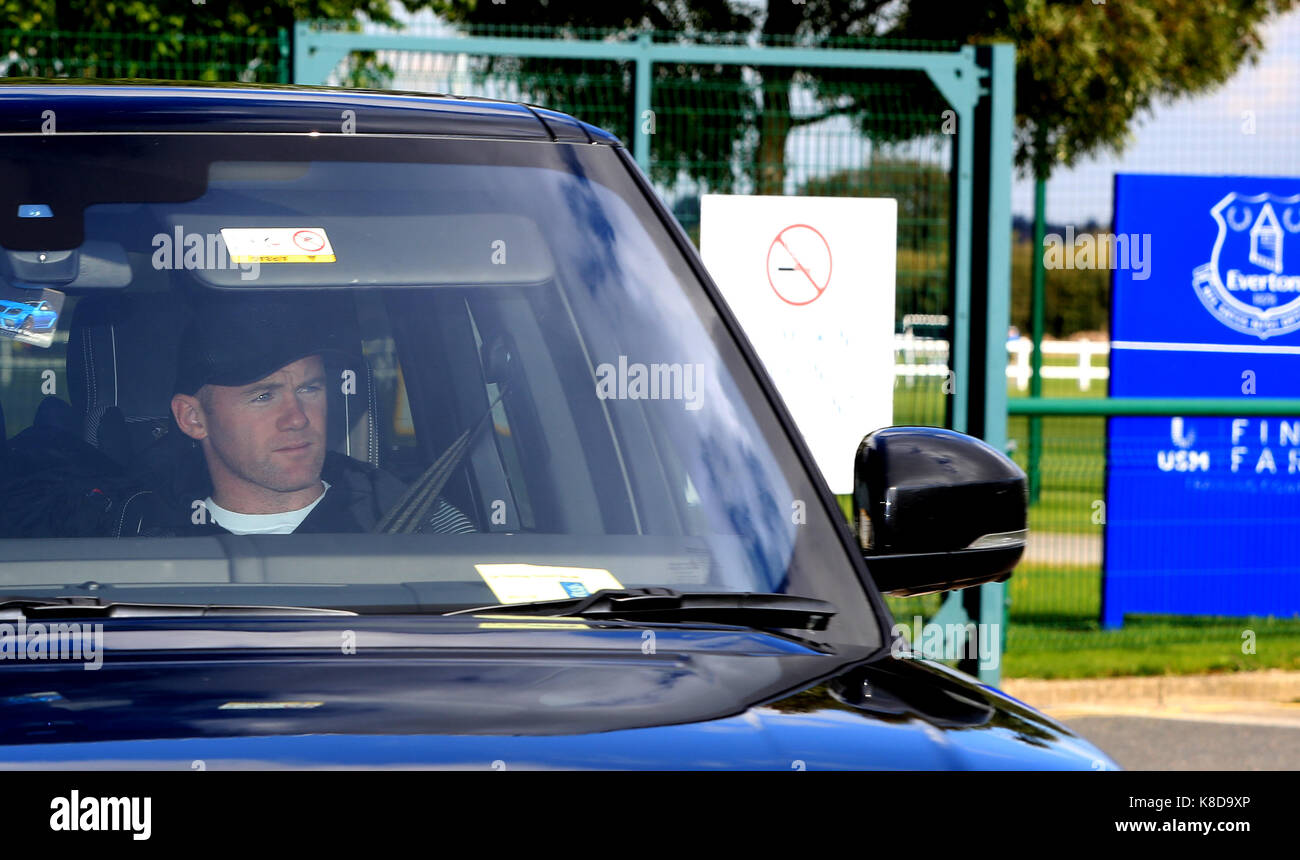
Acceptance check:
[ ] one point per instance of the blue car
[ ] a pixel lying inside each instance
(410, 431)
(36, 315)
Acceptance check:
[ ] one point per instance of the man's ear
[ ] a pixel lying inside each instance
(188, 412)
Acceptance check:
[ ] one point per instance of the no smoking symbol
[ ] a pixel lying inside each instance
(309, 240)
(799, 264)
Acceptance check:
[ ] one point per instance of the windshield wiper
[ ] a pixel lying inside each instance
(744, 609)
(93, 607)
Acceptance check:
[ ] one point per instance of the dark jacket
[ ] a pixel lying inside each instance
(358, 497)
(56, 485)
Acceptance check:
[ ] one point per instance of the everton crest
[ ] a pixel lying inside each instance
(1252, 282)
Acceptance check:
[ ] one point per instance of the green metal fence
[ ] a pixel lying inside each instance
(174, 56)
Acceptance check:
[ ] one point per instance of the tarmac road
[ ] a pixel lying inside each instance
(1223, 721)
(1156, 743)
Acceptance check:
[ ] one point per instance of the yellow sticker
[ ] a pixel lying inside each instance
(278, 244)
(525, 583)
(521, 625)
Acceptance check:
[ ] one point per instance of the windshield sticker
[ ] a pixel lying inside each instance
(268, 706)
(530, 625)
(278, 244)
(525, 583)
(29, 316)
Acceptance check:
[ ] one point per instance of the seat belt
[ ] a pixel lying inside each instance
(408, 514)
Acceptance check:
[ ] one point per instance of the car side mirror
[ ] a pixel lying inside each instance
(937, 510)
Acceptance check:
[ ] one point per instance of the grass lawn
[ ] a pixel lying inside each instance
(1066, 595)
(1053, 632)
(1151, 645)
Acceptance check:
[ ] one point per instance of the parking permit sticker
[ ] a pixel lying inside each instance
(524, 583)
(30, 316)
(530, 625)
(278, 244)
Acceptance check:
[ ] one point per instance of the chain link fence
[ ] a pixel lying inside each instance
(174, 56)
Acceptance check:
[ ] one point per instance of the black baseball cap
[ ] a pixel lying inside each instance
(240, 340)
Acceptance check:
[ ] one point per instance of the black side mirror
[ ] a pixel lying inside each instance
(937, 510)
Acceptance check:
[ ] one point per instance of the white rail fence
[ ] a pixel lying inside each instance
(926, 356)
(913, 357)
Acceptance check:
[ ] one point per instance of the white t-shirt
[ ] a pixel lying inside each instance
(261, 524)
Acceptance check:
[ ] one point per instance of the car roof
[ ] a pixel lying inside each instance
(82, 105)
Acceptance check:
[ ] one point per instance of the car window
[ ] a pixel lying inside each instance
(524, 367)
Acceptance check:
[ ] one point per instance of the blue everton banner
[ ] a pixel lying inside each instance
(1203, 513)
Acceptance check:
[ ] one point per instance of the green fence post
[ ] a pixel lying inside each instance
(282, 72)
(644, 70)
(316, 54)
(1000, 137)
(963, 222)
(1036, 304)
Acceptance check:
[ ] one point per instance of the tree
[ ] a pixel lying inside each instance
(231, 37)
(164, 17)
(1086, 70)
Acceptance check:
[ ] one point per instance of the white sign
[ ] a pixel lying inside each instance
(811, 280)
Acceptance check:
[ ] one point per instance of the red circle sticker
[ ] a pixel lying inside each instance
(309, 240)
(799, 264)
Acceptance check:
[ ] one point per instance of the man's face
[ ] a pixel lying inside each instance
(267, 437)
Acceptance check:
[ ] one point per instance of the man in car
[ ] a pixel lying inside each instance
(251, 395)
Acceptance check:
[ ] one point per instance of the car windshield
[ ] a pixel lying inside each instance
(484, 369)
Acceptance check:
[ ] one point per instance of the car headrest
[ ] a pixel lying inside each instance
(122, 353)
(125, 338)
